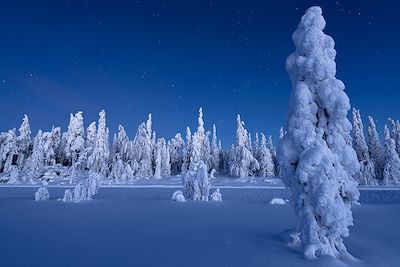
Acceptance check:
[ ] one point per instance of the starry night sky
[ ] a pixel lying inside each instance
(171, 57)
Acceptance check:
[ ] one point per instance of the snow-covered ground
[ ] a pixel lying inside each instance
(132, 226)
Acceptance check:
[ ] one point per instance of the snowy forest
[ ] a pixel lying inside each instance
(65, 156)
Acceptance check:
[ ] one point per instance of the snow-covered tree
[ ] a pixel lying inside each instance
(316, 154)
(91, 135)
(75, 143)
(265, 158)
(165, 159)
(98, 160)
(23, 141)
(272, 149)
(216, 196)
(214, 150)
(375, 149)
(51, 144)
(187, 151)
(143, 149)
(243, 163)
(8, 150)
(42, 194)
(176, 145)
(366, 175)
(256, 146)
(35, 163)
(391, 171)
(196, 184)
(200, 144)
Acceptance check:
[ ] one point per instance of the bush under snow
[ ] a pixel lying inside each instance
(196, 184)
(216, 195)
(42, 194)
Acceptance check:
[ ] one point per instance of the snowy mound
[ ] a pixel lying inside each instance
(178, 196)
(42, 194)
(278, 201)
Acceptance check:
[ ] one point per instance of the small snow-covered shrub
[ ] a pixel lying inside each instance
(278, 201)
(68, 195)
(196, 184)
(82, 191)
(42, 194)
(92, 184)
(178, 196)
(216, 196)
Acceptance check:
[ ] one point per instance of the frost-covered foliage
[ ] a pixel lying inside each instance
(42, 194)
(187, 151)
(391, 171)
(243, 162)
(216, 195)
(8, 150)
(316, 157)
(23, 142)
(214, 150)
(366, 175)
(98, 160)
(91, 135)
(196, 184)
(200, 144)
(375, 149)
(84, 190)
(178, 196)
(265, 159)
(162, 160)
(35, 163)
(51, 144)
(143, 149)
(175, 147)
(75, 142)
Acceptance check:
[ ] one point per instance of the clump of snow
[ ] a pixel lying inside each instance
(196, 184)
(278, 201)
(212, 173)
(216, 195)
(42, 194)
(178, 196)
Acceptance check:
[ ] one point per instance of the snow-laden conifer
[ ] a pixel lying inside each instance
(316, 156)
(242, 162)
(98, 160)
(214, 149)
(375, 149)
(391, 171)
(176, 147)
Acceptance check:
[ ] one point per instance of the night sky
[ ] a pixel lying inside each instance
(171, 57)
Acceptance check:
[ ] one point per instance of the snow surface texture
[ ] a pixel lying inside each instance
(316, 156)
(240, 231)
(178, 196)
(42, 194)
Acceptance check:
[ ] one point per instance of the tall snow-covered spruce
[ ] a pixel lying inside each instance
(243, 162)
(98, 160)
(316, 156)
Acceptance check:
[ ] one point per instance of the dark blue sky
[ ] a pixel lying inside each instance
(171, 57)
